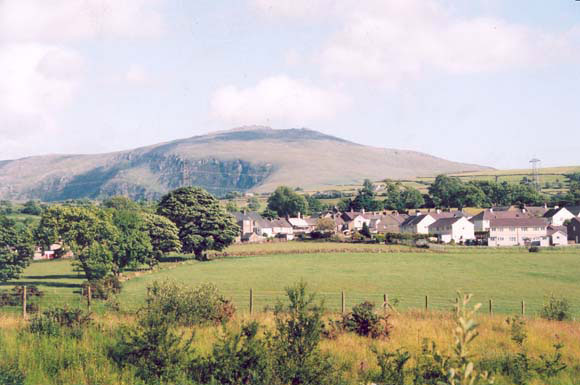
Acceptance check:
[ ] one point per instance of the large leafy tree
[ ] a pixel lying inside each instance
(133, 241)
(445, 190)
(16, 248)
(163, 233)
(365, 199)
(203, 225)
(88, 232)
(286, 202)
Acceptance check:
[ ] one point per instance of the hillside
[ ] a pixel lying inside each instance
(249, 158)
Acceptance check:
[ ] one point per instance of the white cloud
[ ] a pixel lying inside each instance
(66, 20)
(37, 81)
(137, 75)
(276, 100)
(392, 40)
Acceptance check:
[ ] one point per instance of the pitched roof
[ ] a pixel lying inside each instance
(280, 222)
(551, 212)
(492, 214)
(518, 222)
(444, 222)
(554, 229)
(536, 211)
(414, 220)
(574, 210)
(298, 222)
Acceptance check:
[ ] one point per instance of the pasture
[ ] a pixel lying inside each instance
(364, 272)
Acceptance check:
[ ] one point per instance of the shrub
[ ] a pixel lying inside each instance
(189, 306)
(297, 358)
(54, 320)
(104, 288)
(556, 309)
(391, 366)
(10, 374)
(364, 321)
(551, 366)
(431, 366)
(14, 297)
(153, 347)
(237, 359)
(518, 330)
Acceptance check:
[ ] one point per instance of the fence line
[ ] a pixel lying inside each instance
(25, 302)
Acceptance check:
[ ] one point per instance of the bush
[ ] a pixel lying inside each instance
(53, 321)
(10, 374)
(365, 322)
(297, 358)
(431, 366)
(518, 330)
(237, 359)
(556, 309)
(14, 297)
(189, 306)
(104, 288)
(153, 347)
(392, 367)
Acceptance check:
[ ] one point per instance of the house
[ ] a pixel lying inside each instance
(482, 220)
(386, 223)
(300, 225)
(573, 230)
(419, 224)
(42, 254)
(558, 215)
(558, 235)
(281, 228)
(457, 229)
(518, 232)
(354, 220)
(536, 211)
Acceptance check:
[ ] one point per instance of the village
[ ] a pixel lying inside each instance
(496, 226)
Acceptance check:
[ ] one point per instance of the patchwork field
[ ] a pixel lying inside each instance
(363, 272)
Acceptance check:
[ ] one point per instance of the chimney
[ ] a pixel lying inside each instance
(556, 207)
(545, 206)
(299, 215)
(244, 212)
(438, 211)
(363, 210)
(491, 209)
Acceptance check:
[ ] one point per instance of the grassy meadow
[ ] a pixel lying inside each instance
(364, 272)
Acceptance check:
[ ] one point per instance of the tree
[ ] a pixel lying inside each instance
(31, 208)
(444, 191)
(314, 204)
(286, 202)
(163, 233)
(133, 242)
(203, 225)
(120, 202)
(232, 207)
(88, 232)
(325, 225)
(269, 214)
(366, 231)
(411, 198)
(365, 199)
(16, 248)
(6, 208)
(254, 204)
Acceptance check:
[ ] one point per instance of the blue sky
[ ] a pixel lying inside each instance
(492, 82)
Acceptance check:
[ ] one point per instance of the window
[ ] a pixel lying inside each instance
(495, 229)
(513, 239)
(524, 229)
(512, 229)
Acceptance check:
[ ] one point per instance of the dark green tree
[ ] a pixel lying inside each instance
(31, 208)
(203, 225)
(287, 202)
(120, 202)
(365, 199)
(6, 208)
(315, 205)
(16, 248)
(411, 198)
(445, 190)
(163, 233)
(254, 204)
(366, 231)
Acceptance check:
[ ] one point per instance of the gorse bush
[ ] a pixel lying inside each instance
(237, 359)
(518, 330)
(364, 321)
(10, 374)
(556, 309)
(104, 288)
(189, 306)
(153, 348)
(431, 367)
(391, 366)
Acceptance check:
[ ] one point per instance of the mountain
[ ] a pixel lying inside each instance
(250, 158)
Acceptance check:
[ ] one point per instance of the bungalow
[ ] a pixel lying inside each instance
(558, 215)
(457, 229)
(573, 229)
(518, 232)
(558, 235)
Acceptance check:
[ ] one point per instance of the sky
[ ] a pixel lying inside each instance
(492, 82)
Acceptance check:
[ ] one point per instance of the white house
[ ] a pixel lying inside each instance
(558, 215)
(482, 220)
(419, 224)
(457, 229)
(518, 232)
(558, 235)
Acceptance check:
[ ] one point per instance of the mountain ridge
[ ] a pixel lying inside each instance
(255, 158)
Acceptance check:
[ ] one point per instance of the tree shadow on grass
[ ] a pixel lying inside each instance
(41, 283)
(49, 277)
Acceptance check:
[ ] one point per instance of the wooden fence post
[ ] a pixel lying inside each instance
(251, 301)
(386, 302)
(343, 305)
(490, 307)
(523, 308)
(89, 297)
(24, 315)
(426, 302)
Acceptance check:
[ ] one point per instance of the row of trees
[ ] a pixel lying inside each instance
(120, 234)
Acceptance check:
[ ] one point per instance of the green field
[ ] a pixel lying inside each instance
(363, 272)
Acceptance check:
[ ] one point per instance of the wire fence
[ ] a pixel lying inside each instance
(257, 301)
